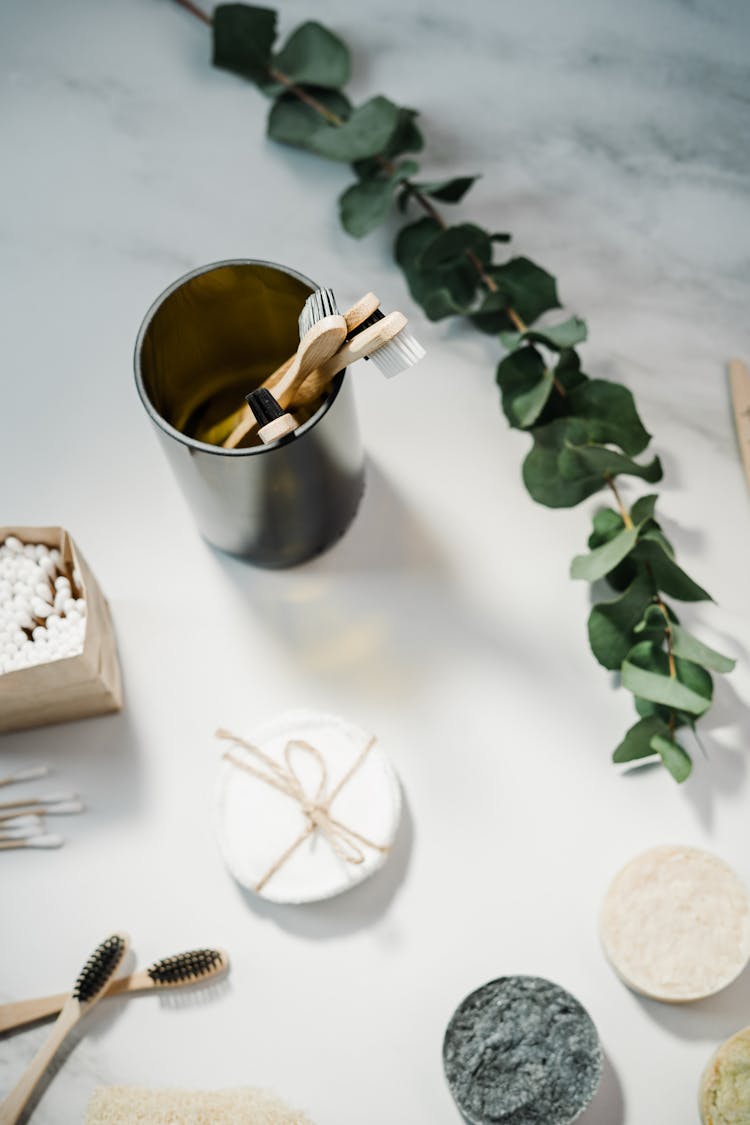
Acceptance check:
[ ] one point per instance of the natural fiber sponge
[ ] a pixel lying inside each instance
(676, 924)
(521, 1051)
(131, 1105)
(724, 1096)
(306, 807)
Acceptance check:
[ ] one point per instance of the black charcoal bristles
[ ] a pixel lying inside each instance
(319, 304)
(100, 968)
(263, 405)
(186, 967)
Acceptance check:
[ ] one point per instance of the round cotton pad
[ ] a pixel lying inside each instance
(315, 845)
(676, 924)
(724, 1096)
(521, 1051)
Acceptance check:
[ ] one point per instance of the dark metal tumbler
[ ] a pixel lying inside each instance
(209, 339)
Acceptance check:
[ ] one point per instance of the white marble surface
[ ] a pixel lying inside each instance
(612, 142)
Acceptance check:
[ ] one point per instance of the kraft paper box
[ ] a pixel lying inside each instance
(76, 686)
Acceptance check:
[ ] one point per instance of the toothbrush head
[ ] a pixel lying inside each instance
(319, 304)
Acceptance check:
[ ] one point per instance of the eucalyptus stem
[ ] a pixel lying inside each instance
(585, 431)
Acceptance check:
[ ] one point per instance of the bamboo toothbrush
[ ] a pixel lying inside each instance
(194, 967)
(365, 343)
(88, 988)
(317, 345)
(364, 307)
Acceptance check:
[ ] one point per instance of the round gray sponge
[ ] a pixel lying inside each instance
(521, 1051)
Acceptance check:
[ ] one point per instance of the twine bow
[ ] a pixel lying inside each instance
(345, 842)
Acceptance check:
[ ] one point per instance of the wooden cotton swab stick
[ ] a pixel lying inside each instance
(29, 774)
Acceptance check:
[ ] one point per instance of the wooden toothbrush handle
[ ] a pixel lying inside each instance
(19, 1097)
(41, 1007)
(367, 342)
(27, 1011)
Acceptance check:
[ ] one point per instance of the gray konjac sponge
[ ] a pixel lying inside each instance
(521, 1051)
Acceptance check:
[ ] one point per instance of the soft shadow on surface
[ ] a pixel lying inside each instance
(608, 1105)
(352, 910)
(97, 758)
(713, 1019)
(384, 535)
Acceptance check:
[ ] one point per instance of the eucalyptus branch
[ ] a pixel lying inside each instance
(585, 432)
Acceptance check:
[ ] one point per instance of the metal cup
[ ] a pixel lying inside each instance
(208, 340)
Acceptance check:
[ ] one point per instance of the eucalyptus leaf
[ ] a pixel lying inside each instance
(314, 56)
(492, 317)
(292, 122)
(668, 576)
(605, 558)
(406, 137)
(440, 292)
(578, 459)
(367, 132)
(528, 288)
(611, 624)
(610, 410)
(243, 38)
(607, 523)
(637, 742)
(673, 756)
(643, 509)
(690, 648)
(645, 672)
(366, 204)
(519, 375)
(449, 246)
(558, 336)
(447, 191)
(541, 468)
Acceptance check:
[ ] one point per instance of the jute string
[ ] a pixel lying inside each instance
(346, 843)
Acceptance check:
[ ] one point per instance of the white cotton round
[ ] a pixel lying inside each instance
(256, 823)
(62, 583)
(39, 633)
(53, 622)
(13, 544)
(41, 551)
(47, 565)
(40, 608)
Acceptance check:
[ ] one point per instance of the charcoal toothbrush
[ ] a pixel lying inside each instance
(89, 987)
(193, 967)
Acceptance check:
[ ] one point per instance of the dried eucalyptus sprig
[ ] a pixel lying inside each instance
(585, 432)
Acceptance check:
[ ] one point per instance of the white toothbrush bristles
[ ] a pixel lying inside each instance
(46, 841)
(318, 305)
(400, 353)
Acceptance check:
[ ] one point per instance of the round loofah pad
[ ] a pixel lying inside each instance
(257, 824)
(521, 1051)
(724, 1096)
(676, 924)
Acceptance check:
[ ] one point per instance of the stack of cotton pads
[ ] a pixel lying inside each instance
(42, 610)
(264, 833)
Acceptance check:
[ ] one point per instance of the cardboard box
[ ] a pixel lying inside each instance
(76, 686)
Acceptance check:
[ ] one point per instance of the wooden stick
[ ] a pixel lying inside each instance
(318, 345)
(358, 313)
(739, 383)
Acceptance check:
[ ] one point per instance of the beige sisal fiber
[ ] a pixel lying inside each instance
(132, 1105)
